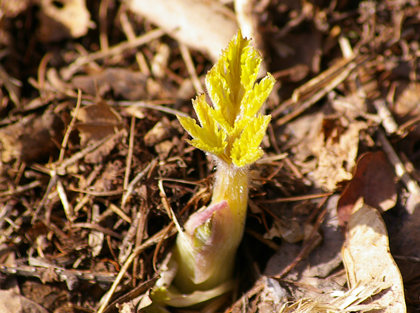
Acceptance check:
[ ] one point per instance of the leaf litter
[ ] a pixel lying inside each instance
(89, 183)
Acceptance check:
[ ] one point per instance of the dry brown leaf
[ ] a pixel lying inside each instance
(406, 106)
(97, 122)
(163, 148)
(292, 231)
(326, 156)
(63, 19)
(407, 101)
(124, 83)
(310, 278)
(201, 25)
(367, 258)
(158, 133)
(11, 302)
(126, 307)
(373, 180)
(31, 138)
(336, 156)
(405, 244)
(273, 295)
(351, 106)
(301, 134)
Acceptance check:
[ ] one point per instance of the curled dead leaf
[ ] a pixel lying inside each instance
(373, 180)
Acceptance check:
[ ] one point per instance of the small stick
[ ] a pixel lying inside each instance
(51, 184)
(259, 237)
(99, 228)
(81, 203)
(129, 155)
(107, 193)
(403, 128)
(399, 168)
(40, 271)
(385, 115)
(185, 52)
(307, 248)
(41, 72)
(136, 180)
(115, 50)
(21, 189)
(68, 209)
(143, 104)
(140, 229)
(120, 213)
(103, 39)
(297, 198)
(129, 33)
(70, 128)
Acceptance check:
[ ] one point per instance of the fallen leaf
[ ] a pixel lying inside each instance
(324, 147)
(61, 19)
(31, 138)
(123, 82)
(405, 248)
(351, 106)
(367, 259)
(97, 122)
(373, 180)
(407, 100)
(273, 295)
(158, 133)
(291, 230)
(406, 106)
(310, 278)
(202, 25)
(11, 302)
(163, 149)
(337, 156)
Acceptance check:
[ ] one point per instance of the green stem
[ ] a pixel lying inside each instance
(206, 251)
(231, 184)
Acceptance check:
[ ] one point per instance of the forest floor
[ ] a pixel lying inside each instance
(93, 160)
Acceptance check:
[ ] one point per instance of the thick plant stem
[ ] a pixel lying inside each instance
(231, 184)
(231, 129)
(208, 262)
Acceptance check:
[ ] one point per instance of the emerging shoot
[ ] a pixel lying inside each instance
(231, 129)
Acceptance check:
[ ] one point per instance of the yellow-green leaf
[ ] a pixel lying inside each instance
(246, 149)
(236, 98)
(255, 98)
(207, 137)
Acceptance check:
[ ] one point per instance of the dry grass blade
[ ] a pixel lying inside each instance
(115, 50)
(400, 169)
(309, 93)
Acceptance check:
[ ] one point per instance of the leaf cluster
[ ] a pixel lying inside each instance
(232, 127)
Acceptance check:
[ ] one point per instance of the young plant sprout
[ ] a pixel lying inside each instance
(231, 130)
